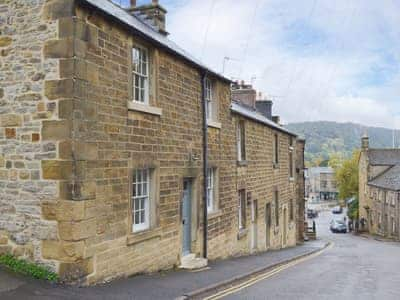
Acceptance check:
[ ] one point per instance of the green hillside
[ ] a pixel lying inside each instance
(324, 139)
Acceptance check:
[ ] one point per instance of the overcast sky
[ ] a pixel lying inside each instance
(317, 59)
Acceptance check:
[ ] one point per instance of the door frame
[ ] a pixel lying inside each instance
(184, 242)
(268, 224)
(254, 225)
(285, 227)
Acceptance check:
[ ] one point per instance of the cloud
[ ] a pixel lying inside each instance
(308, 55)
(317, 59)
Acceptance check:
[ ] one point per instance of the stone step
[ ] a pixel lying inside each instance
(191, 262)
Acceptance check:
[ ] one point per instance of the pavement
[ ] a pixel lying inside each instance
(354, 268)
(169, 285)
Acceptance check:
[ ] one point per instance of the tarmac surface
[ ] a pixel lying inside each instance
(167, 285)
(354, 268)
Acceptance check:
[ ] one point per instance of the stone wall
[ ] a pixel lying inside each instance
(72, 138)
(25, 26)
(260, 178)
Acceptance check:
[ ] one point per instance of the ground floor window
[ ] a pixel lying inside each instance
(242, 209)
(393, 226)
(276, 202)
(291, 210)
(211, 180)
(141, 200)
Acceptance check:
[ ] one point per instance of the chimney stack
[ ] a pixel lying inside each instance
(264, 107)
(244, 93)
(152, 13)
(364, 143)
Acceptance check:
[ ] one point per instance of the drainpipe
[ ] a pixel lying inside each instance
(205, 163)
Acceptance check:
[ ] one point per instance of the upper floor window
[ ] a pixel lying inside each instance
(241, 148)
(209, 98)
(141, 200)
(211, 174)
(140, 75)
(291, 164)
(276, 150)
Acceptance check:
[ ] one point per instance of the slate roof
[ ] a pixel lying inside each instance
(147, 32)
(253, 114)
(388, 180)
(384, 157)
(321, 170)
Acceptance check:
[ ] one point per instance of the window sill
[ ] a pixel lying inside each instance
(214, 214)
(142, 236)
(291, 179)
(144, 108)
(242, 233)
(214, 124)
(275, 166)
(242, 163)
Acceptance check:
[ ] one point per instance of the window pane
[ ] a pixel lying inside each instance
(141, 99)
(137, 221)
(135, 59)
(142, 217)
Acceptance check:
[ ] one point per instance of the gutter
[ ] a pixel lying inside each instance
(123, 18)
(205, 164)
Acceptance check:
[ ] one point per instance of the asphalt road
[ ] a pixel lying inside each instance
(354, 268)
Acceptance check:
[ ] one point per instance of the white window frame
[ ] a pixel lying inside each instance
(240, 140)
(393, 225)
(291, 164)
(209, 98)
(140, 74)
(141, 200)
(276, 149)
(211, 174)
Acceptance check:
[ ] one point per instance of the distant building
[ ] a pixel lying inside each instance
(379, 190)
(321, 184)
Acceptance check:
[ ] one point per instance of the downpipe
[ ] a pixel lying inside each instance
(205, 164)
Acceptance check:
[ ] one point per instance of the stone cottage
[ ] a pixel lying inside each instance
(117, 148)
(379, 190)
(265, 173)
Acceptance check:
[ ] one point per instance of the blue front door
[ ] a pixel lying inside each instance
(187, 217)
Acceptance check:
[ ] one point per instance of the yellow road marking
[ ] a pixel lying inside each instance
(264, 276)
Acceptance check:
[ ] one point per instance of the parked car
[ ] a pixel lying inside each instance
(312, 213)
(337, 210)
(338, 226)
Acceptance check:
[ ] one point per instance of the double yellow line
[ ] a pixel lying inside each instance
(266, 275)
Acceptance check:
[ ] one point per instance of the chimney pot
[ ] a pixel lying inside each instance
(276, 119)
(153, 13)
(365, 142)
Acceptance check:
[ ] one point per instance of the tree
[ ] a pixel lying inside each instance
(347, 177)
(352, 212)
(335, 161)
